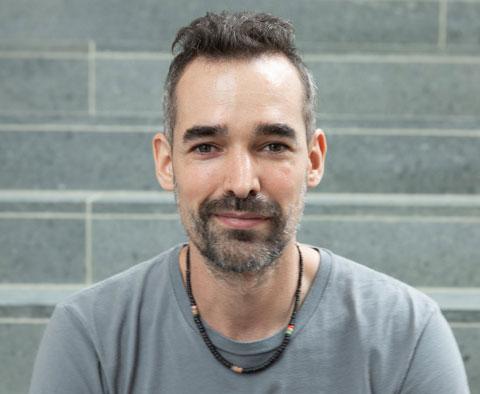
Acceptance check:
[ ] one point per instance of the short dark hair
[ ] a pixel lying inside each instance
(240, 35)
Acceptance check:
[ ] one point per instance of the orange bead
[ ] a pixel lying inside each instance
(236, 369)
(194, 310)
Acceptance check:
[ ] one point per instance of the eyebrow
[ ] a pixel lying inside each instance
(198, 132)
(266, 129)
(276, 129)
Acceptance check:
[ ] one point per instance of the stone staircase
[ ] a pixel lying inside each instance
(80, 99)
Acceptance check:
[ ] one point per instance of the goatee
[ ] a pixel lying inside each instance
(242, 251)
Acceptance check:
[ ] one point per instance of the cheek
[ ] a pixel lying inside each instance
(285, 181)
(195, 181)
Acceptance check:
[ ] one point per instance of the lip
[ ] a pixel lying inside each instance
(240, 220)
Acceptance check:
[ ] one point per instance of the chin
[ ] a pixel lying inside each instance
(241, 255)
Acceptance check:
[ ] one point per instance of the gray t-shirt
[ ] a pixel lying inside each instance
(358, 331)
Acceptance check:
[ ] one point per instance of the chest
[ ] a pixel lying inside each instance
(174, 359)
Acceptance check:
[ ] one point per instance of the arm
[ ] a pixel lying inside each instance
(436, 366)
(67, 361)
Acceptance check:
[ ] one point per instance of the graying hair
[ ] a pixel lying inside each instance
(241, 35)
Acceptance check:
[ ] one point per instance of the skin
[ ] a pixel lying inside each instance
(238, 96)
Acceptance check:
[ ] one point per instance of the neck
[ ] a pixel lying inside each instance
(249, 306)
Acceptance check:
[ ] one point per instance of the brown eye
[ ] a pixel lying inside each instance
(203, 148)
(276, 147)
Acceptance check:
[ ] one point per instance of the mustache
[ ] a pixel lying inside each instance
(253, 203)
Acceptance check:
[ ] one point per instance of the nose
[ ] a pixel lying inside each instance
(241, 175)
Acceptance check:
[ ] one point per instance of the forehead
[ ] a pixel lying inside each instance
(240, 92)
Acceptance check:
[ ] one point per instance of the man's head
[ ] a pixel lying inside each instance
(240, 161)
(235, 36)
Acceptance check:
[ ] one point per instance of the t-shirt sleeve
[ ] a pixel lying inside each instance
(436, 366)
(67, 361)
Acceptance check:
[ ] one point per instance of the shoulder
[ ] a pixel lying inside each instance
(377, 298)
(374, 285)
(382, 319)
(122, 292)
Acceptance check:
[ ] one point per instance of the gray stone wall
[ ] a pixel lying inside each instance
(80, 98)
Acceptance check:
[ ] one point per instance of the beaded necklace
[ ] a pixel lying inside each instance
(213, 349)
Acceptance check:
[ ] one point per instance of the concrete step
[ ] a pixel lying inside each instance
(19, 339)
(80, 98)
(359, 160)
(82, 237)
(354, 86)
(458, 304)
(24, 312)
(376, 25)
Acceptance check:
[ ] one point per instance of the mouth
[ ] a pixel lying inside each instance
(240, 220)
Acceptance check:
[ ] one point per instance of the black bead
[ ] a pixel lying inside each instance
(278, 351)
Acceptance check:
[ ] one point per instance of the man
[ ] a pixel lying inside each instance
(242, 307)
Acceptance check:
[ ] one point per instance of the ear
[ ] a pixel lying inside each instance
(317, 150)
(162, 154)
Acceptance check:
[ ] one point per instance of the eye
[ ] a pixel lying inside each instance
(276, 147)
(203, 148)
